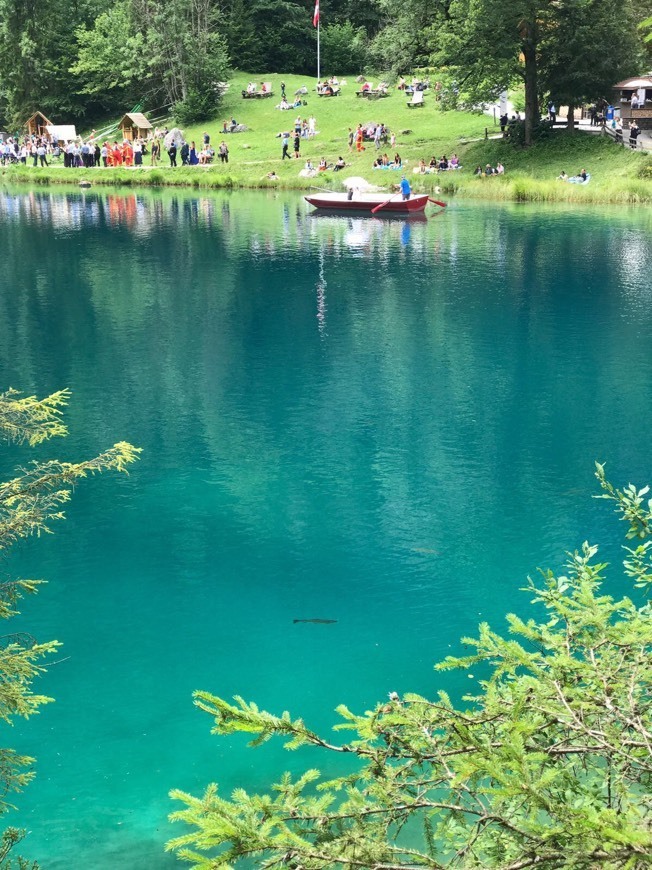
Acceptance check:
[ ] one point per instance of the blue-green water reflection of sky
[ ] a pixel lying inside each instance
(381, 423)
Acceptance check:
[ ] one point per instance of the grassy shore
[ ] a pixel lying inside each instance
(618, 175)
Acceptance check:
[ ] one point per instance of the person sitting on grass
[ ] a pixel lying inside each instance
(272, 176)
(397, 161)
(489, 170)
(443, 163)
(434, 163)
(454, 162)
(500, 169)
(562, 176)
(478, 170)
(340, 164)
(323, 165)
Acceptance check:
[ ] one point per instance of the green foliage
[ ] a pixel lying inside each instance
(111, 58)
(155, 51)
(573, 49)
(29, 503)
(343, 49)
(600, 46)
(548, 763)
(646, 27)
(37, 49)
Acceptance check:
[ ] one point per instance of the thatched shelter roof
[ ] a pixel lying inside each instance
(38, 115)
(137, 120)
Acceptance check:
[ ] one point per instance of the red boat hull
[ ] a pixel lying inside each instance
(365, 203)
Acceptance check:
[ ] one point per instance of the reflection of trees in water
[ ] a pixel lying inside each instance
(204, 318)
(143, 213)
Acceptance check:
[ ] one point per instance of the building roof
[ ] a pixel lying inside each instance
(635, 84)
(137, 119)
(39, 114)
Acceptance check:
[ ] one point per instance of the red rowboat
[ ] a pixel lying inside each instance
(366, 202)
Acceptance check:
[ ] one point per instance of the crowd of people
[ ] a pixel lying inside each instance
(384, 162)
(582, 177)
(443, 164)
(372, 131)
(489, 170)
(101, 152)
(310, 170)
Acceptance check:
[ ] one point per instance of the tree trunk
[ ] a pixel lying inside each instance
(529, 34)
(570, 123)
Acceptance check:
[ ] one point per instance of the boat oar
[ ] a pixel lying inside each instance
(383, 204)
(437, 202)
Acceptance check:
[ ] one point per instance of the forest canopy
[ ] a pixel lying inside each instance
(78, 60)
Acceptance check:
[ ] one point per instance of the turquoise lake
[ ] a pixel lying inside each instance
(389, 424)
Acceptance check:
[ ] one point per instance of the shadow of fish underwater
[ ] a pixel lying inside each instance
(316, 621)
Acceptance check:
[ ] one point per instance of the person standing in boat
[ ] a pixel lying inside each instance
(406, 190)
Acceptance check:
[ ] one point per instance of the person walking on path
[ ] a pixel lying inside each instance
(172, 154)
(223, 152)
(351, 138)
(285, 142)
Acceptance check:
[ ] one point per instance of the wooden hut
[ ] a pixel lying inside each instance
(37, 125)
(134, 125)
(634, 100)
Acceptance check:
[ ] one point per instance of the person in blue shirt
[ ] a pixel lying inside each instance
(406, 190)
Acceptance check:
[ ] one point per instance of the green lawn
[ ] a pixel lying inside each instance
(421, 132)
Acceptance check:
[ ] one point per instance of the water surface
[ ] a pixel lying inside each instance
(384, 423)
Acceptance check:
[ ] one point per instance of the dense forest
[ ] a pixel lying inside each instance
(82, 60)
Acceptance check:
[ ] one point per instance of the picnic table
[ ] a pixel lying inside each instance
(255, 94)
(372, 93)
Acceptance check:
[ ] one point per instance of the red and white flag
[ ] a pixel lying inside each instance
(315, 17)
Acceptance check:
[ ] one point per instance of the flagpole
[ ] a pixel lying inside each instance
(316, 21)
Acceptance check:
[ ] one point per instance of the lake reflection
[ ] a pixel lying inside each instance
(386, 423)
